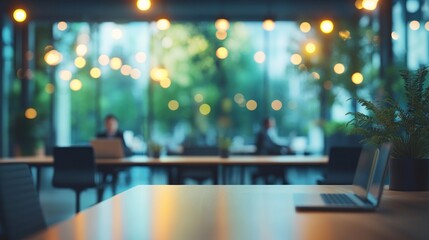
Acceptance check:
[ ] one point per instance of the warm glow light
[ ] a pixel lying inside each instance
(276, 105)
(198, 97)
(173, 105)
(358, 4)
(344, 34)
(65, 75)
(140, 57)
(222, 53)
(296, 59)
(95, 72)
(115, 63)
(305, 27)
(117, 33)
(221, 35)
(414, 25)
(427, 25)
(268, 25)
(326, 26)
(62, 26)
(143, 5)
(81, 50)
(339, 68)
(357, 78)
(158, 73)
(83, 38)
(53, 57)
(310, 48)
(259, 57)
(49, 88)
(205, 109)
(239, 98)
(163, 24)
(165, 83)
(19, 15)
(222, 24)
(30, 113)
(75, 85)
(80, 62)
(369, 4)
(395, 35)
(103, 60)
(251, 105)
(126, 70)
(135, 73)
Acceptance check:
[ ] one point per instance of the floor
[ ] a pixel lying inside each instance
(59, 204)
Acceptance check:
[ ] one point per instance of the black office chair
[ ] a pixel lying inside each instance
(20, 210)
(74, 167)
(341, 166)
(200, 174)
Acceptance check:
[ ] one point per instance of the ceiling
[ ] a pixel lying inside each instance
(186, 10)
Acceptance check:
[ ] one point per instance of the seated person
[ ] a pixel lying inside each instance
(111, 130)
(266, 140)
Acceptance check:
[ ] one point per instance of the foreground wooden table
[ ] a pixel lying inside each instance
(241, 212)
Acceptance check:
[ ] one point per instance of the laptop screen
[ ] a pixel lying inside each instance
(370, 172)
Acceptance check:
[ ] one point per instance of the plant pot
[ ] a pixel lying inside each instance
(409, 174)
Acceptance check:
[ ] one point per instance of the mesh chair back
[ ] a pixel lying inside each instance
(74, 167)
(20, 210)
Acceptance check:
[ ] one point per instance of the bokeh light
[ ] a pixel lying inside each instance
(19, 15)
(49, 88)
(221, 35)
(115, 63)
(30, 113)
(268, 25)
(345, 34)
(222, 24)
(414, 25)
(143, 5)
(158, 73)
(326, 26)
(140, 57)
(296, 59)
(205, 109)
(173, 105)
(395, 35)
(239, 98)
(358, 4)
(53, 57)
(135, 73)
(117, 33)
(65, 75)
(357, 78)
(103, 60)
(95, 72)
(315, 75)
(62, 26)
(163, 24)
(126, 70)
(81, 50)
(75, 85)
(305, 27)
(251, 105)
(259, 57)
(276, 105)
(222, 53)
(369, 4)
(339, 68)
(327, 85)
(80, 62)
(427, 25)
(165, 83)
(198, 97)
(310, 48)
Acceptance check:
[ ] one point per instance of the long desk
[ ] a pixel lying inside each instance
(171, 162)
(241, 212)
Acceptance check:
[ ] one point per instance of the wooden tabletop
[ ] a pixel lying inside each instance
(185, 160)
(241, 212)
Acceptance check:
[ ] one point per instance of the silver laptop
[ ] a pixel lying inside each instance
(368, 186)
(108, 148)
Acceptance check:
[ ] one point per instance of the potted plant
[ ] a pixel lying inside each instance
(224, 144)
(154, 150)
(406, 127)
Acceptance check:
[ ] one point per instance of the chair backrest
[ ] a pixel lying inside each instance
(342, 165)
(20, 210)
(74, 167)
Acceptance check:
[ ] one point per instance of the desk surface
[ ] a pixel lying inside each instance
(241, 212)
(186, 160)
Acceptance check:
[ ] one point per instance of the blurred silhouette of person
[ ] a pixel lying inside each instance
(111, 130)
(266, 140)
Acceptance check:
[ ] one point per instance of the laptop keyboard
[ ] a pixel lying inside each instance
(337, 199)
